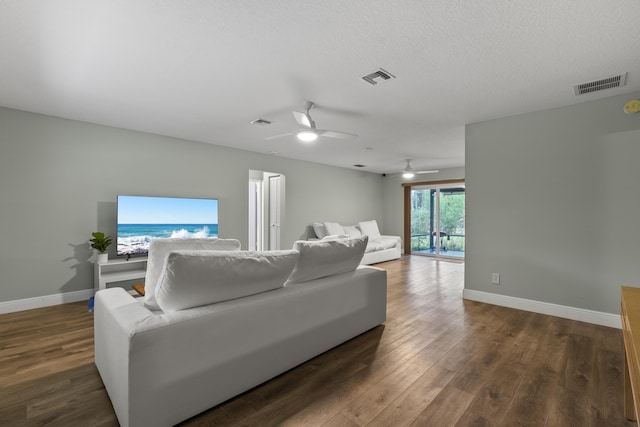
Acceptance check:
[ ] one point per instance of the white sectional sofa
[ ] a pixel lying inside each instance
(228, 321)
(379, 248)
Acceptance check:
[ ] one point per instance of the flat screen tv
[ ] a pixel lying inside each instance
(143, 218)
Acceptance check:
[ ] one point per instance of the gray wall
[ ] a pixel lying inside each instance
(59, 180)
(393, 196)
(553, 204)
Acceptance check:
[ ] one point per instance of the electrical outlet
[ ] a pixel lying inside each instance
(495, 278)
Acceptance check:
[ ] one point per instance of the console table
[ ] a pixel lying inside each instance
(630, 314)
(118, 270)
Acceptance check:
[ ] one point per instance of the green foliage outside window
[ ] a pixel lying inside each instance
(451, 219)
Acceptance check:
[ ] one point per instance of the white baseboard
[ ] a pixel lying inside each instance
(566, 312)
(48, 300)
(44, 301)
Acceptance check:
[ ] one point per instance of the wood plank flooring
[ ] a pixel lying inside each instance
(437, 361)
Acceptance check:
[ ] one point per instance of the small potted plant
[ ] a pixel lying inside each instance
(100, 243)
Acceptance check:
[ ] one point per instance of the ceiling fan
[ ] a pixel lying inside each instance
(307, 132)
(408, 171)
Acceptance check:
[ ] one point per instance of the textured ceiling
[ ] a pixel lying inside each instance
(202, 70)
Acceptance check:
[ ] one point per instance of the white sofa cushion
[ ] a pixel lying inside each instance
(370, 228)
(196, 278)
(333, 228)
(326, 258)
(382, 243)
(352, 231)
(319, 229)
(335, 237)
(160, 248)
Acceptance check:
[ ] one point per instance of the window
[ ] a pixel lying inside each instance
(434, 219)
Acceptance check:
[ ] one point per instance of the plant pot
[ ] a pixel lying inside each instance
(102, 258)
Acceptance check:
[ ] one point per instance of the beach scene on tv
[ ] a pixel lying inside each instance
(142, 219)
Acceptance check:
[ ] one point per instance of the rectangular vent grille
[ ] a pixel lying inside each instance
(602, 84)
(378, 76)
(260, 122)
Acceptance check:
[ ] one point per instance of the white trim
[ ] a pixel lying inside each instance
(44, 301)
(49, 300)
(566, 312)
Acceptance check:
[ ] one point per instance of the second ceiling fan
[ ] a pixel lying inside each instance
(308, 132)
(408, 171)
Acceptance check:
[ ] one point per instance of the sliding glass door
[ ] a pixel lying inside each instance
(437, 220)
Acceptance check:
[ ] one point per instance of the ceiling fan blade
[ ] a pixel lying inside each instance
(336, 134)
(307, 125)
(429, 171)
(278, 136)
(302, 119)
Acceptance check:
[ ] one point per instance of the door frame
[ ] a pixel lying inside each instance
(265, 229)
(256, 214)
(407, 205)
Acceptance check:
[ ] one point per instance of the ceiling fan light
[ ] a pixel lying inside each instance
(307, 135)
(408, 171)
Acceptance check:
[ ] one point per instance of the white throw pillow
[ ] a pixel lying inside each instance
(319, 229)
(160, 248)
(335, 237)
(352, 231)
(326, 258)
(196, 278)
(370, 228)
(333, 228)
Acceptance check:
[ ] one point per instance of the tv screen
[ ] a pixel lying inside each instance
(142, 219)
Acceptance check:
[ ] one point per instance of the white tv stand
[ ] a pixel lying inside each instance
(118, 270)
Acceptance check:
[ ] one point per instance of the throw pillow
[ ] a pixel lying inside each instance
(160, 248)
(319, 229)
(352, 231)
(326, 258)
(370, 228)
(333, 228)
(196, 278)
(335, 237)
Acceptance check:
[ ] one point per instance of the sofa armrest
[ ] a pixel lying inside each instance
(116, 316)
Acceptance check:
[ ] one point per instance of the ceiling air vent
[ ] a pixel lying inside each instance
(378, 76)
(260, 122)
(602, 84)
(359, 166)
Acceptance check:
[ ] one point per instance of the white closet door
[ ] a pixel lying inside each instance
(274, 212)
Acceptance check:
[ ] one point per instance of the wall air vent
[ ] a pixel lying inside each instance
(378, 76)
(260, 122)
(602, 84)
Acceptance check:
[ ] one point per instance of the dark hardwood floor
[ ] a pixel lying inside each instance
(437, 361)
